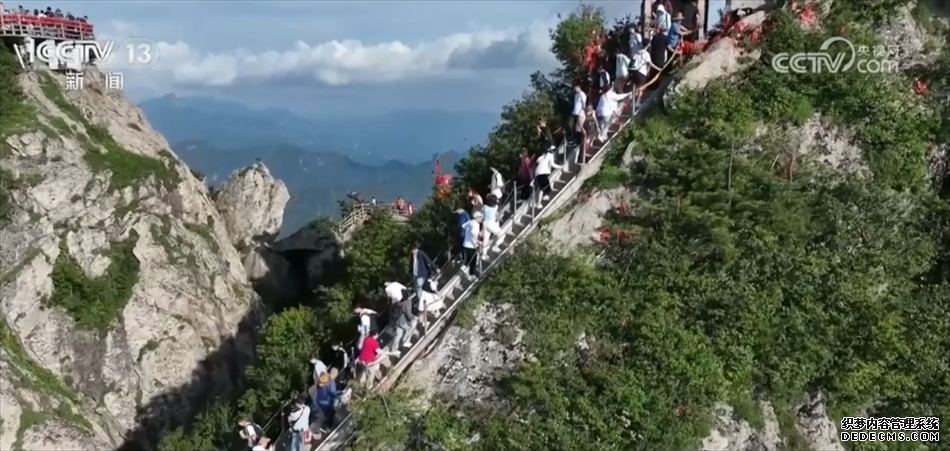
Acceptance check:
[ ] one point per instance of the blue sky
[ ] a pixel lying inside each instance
(337, 57)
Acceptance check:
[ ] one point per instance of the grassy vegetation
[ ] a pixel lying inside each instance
(31, 377)
(18, 115)
(104, 153)
(95, 302)
(608, 177)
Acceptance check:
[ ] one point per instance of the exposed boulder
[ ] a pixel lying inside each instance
(466, 365)
(119, 277)
(252, 203)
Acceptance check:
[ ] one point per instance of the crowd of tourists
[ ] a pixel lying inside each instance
(637, 57)
(476, 233)
(622, 64)
(48, 12)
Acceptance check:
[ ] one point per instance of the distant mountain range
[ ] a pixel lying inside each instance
(320, 161)
(317, 180)
(412, 136)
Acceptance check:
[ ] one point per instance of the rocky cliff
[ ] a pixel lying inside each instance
(124, 301)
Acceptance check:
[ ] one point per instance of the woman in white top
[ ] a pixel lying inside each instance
(641, 65)
(490, 227)
(470, 241)
(608, 106)
(663, 19)
(497, 184)
(430, 301)
(542, 173)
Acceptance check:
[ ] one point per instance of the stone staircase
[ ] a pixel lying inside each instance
(518, 220)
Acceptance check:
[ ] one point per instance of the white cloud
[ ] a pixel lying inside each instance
(342, 62)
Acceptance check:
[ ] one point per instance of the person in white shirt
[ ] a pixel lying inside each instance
(636, 41)
(319, 368)
(542, 173)
(470, 242)
(580, 101)
(431, 302)
(299, 420)
(490, 227)
(251, 432)
(607, 107)
(641, 65)
(623, 70)
(365, 326)
(395, 291)
(497, 184)
(663, 21)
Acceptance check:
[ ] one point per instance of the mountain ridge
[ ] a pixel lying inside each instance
(411, 135)
(317, 180)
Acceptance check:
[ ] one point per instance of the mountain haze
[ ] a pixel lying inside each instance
(411, 135)
(316, 180)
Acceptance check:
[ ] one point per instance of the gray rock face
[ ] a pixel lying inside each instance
(252, 203)
(118, 273)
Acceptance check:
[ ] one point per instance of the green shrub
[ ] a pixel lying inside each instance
(126, 167)
(95, 302)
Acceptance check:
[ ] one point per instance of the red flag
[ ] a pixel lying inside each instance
(438, 166)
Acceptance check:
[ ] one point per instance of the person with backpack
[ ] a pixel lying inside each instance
(299, 419)
(368, 323)
(323, 400)
(405, 324)
(490, 226)
(542, 174)
(471, 239)
(421, 267)
(497, 186)
(250, 431)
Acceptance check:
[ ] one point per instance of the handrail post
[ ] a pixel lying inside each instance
(514, 200)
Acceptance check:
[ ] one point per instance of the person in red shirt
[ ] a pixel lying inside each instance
(371, 357)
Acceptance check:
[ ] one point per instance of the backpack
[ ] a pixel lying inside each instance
(373, 324)
(258, 432)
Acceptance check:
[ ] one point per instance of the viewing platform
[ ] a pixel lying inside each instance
(15, 28)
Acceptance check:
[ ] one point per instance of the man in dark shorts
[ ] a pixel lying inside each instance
(692, 18)
(658, 49)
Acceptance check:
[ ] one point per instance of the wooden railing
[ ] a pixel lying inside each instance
(363, 211)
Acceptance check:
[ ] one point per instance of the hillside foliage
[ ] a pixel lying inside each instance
(757, 274)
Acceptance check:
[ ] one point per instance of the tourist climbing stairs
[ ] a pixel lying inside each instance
(518, 219)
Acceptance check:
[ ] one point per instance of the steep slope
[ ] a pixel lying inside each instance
(119, 277)
(777, 273)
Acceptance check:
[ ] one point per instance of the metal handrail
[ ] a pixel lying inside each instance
(509, 212)
(346, 426)
(506, 207)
